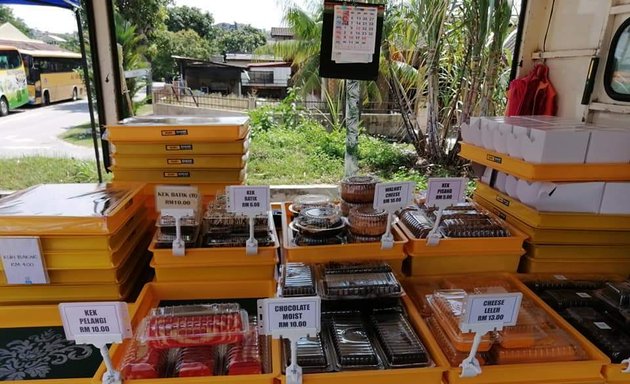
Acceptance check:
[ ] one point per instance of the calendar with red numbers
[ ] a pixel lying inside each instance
(354, 34)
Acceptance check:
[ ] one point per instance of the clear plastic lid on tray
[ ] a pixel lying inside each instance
(169, 221)
(352, 345)
(556, 346)
(312, 356)
(141, 361)
(454, 356)
(398, 341)
(50, 209)
(357, 281)
(245, 358)
(195, 361)
(447, 308)
(194, 325)
(184, 121)
(298, 280)
(606, 333)
(309, 201)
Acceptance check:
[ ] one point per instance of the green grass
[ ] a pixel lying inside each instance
(310, 155)
(79, 135)
(24, 172)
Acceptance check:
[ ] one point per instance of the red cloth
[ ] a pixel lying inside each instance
(532, 94)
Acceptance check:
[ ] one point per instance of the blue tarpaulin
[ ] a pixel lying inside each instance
(70, 4)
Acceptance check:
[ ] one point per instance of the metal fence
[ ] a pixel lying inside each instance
(186, 97)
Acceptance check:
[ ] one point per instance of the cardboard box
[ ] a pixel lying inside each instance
(511, 184)
(471, 132)
(561, 197)
(616, 199)
(489, 125)
(608, 145)
(555, 145)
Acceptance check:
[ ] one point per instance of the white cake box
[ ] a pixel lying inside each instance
(608, 145)
(511, 184)
(471, 132)
(561, 197)
(616, 199)
(555, 145)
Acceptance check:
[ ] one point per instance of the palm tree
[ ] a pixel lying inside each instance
(133, 50)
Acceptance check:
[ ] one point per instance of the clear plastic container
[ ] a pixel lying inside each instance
(612, 338)
(143, 362)
(454, 356)
(352, 346)
(244, 358)
(309, 201)
(358, 189)
(357, 281)
(311, 355)
(399, 343)
(447, 307)
(347, 207)
(298, 280)
(165, 239)
(195, 362)
(416, 221)
(367, 221)
(194, 325)
(556, 346)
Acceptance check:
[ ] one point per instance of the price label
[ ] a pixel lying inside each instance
(248, 200)
(291, 316)
(446, 191)
(490, 309)
(95, 323)
(176, 197)
(22, 260)
(393, 196)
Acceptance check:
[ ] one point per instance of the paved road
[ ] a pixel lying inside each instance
(34, 130)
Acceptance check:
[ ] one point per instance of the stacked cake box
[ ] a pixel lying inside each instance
(92, 239)
(210, 152)
(564, 183)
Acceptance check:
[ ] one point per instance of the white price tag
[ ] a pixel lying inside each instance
(393, 196)
(176, 197)
(602, 325)
(249, 200)
(291, 316)
(446, 191)
(22, 260)
(96, 323)
(481, 311)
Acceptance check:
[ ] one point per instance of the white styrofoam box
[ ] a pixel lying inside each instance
(608, 145)
(500, 137)
(616, 199)
(499, 182)
(488, 126)
(519, 129)
(471, 132)
(486, 178)
(557, 120)
(511, 184)
(561, 197)
(555, 145)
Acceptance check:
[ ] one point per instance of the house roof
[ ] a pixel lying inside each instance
(206, 63)
(9, 32)
(281, 31)
(269, 64)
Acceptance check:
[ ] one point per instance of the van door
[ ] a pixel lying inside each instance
(573, 38)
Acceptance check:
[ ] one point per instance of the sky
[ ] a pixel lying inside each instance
(262, 14)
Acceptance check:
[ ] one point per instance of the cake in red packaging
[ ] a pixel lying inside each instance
(245, 358)
(194, 325)
(142, 362)
(195, 362)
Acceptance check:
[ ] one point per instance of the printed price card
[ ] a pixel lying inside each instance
(22, 260)
(445, 191)
(393, 196)
(95, 323)
(489, 309)
(176, 197)
(290, 316)
(248, 200)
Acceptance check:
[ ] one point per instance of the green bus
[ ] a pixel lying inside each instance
(13, 87)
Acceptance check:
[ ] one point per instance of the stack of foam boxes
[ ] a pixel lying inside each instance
(209, 152)
(564, 183)
(73, 242)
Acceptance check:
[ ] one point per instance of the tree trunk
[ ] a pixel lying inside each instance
(353, 117)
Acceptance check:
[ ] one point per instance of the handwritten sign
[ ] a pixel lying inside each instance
(248, 200)
(95, 323)
(490, 309)
(393, 196)
(176, 197)
(444, 192)
(22, 260)
(290, 316)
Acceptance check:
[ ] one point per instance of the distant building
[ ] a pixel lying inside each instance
(269, 80)
(10, 35)
(53, 39)
(227, 26)
(210, 76)
(282, 33)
